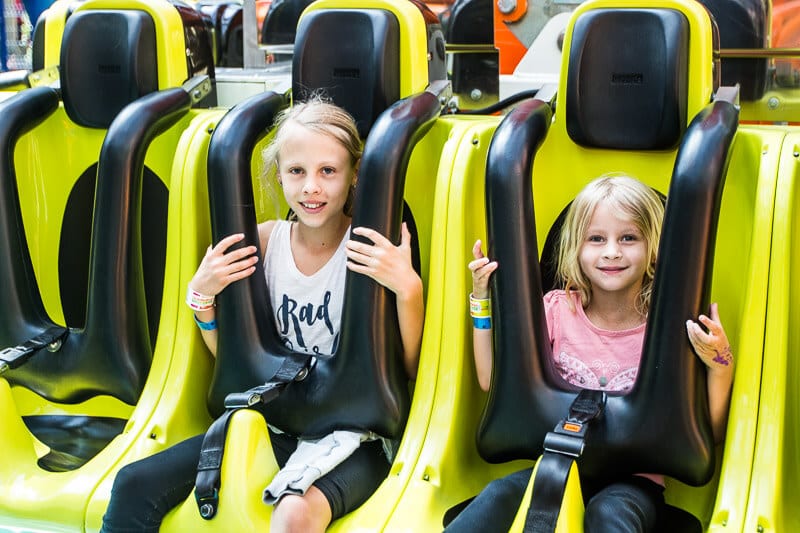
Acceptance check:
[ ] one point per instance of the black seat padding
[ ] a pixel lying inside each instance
(97, 79)
(361, 73)
(743, 24)
(626, 80)
(280, 23)
(73, 440)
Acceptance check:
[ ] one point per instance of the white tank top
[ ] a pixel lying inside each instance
(308, 309)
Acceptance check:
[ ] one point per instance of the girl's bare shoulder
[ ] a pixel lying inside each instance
(264, 231)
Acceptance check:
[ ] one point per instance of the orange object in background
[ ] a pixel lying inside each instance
(786, 34)
(509, 47)
(437, 6)
(262, 6)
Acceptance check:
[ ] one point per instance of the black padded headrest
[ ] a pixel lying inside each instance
(743, 24)
(280, 24)
(108, 60)
(627, 79)
(358, 69)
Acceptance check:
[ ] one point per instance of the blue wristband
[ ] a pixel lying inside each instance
(482, 323)
(207, 326)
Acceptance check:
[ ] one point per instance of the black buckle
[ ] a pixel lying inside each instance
(567, 437)
(51, 338)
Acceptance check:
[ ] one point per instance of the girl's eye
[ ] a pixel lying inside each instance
(328, 170)
(295, 170)
(629, 238)
(594, 238)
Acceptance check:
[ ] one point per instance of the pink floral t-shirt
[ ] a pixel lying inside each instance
(587, 356)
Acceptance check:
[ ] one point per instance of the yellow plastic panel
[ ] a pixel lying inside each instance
(449, 469)
(741, 268)
(772, 505)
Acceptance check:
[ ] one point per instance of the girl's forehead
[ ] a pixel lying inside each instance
(298, 138)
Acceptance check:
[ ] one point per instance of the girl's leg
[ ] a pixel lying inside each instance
(628, 506)
(495, 507)
(335, 494)
(145, 491)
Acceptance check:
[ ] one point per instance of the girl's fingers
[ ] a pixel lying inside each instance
(405, 236)
(369, 233)
(227, 242)
(477, 253)
(478, 263)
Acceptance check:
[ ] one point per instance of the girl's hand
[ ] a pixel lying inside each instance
(481, 269)
(712, 346)
(384, 262)
(219, 268)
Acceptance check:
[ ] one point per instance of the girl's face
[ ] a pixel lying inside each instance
(315, 173)
(613, 254)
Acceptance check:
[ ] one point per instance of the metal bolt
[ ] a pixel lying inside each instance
(475, 94)
(54, 346)
(796, 153)
(475, 141)
(760, 529)
(206, 511)
(506, 6)
(426, 477)
(773, 102)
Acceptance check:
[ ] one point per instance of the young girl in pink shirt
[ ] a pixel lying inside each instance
(596, 323)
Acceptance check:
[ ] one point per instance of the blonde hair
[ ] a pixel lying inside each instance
(322, 116)
(625, 195)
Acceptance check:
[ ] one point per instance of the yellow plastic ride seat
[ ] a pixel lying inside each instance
(391, 52)
(85, 237)
(591, 134)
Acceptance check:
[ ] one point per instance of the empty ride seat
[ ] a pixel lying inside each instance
(65, 206)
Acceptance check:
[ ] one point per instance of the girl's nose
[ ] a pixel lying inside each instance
(311, 185)
(612, 251)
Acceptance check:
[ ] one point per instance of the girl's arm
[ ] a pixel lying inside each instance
(482, 269)
(714, 350)
(391, 266)
(218, 269)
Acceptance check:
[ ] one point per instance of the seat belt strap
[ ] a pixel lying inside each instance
(207, 482)
(562, 447)
(15, 356)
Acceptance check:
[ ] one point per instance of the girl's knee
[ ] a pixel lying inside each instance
(622, 508)
(133, 480)
(308, 513)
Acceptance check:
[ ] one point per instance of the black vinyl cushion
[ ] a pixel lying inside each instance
(361, 73)
(108, 60)
(73, 440)
(627, 79)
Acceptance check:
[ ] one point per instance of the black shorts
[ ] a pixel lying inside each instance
(351, 483)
